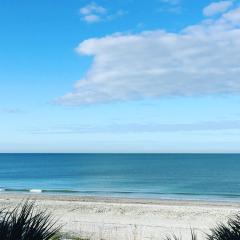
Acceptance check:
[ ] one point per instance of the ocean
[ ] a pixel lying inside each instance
(157, 176)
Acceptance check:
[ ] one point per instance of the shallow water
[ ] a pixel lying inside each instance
(181, 176)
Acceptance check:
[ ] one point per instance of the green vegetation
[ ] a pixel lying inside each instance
(227, 231)
(25, 222)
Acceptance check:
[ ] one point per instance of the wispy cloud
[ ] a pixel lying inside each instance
(93, 8)
(217, 7)
(93, 13)
(143, 128)
(11, 110)
(198, 60)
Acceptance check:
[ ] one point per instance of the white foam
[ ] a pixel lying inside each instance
(2, 189)
(35, 190)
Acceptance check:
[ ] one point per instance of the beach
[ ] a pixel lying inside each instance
(125, 218)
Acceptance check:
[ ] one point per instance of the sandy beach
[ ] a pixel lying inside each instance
(130, 219)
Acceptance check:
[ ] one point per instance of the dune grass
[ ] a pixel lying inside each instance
(26, 222)
(223, 231)
(228, 231)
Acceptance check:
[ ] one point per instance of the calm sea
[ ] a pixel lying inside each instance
(181, 176)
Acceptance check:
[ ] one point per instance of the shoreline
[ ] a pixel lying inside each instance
(112, 218)
(117, 199)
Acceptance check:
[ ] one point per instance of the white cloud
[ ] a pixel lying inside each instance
(233, 16)
(217, 7)
(92, 8)
(147, 127)
(202, 59)
(92, 18)
(92, 12)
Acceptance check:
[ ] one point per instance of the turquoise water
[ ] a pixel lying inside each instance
(181, 176)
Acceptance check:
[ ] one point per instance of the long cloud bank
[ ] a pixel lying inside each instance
(144, 128)
(202, 59)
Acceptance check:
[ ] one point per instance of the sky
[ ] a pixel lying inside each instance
(120, 76)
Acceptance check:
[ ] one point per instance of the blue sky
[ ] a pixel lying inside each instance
(119, 76)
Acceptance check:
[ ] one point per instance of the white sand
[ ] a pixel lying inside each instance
(129, 219)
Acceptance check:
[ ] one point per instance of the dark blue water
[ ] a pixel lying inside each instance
(187, 176)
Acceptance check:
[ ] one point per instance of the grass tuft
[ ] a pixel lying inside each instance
(228, 231)
(26, 222)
